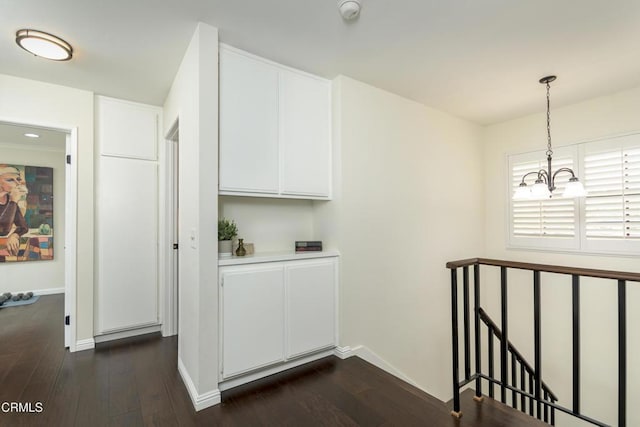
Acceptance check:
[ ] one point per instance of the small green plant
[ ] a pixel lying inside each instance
(227, 230)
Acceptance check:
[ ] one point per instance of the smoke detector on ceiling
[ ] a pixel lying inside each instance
(349, 9)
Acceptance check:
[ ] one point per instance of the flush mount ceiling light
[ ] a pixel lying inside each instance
(349, 9)
(32, 135)
(545, 180)
(44, 45)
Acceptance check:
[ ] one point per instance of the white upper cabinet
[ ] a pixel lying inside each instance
(275, 129)
(248, 124)
(305, 134)
(127, 129)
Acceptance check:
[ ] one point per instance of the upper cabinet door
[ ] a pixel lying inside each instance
(305, 140)
(127, 129)
(248, 124)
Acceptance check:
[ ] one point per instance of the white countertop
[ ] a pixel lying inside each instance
(274, 256)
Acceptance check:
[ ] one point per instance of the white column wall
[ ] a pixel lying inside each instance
(193, 100)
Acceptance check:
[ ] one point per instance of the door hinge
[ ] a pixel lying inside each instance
(175, 246)
(67, 320)
(68, 159)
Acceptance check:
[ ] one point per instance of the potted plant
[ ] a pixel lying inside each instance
(227, 231)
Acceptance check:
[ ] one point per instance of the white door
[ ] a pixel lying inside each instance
(252, 318)
(127, 244)
(311, 306)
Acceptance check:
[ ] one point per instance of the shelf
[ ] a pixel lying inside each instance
(274, 256)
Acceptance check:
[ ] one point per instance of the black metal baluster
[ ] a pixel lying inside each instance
(523, 388)
(531, 406)
(514, 395)
(476, 303)
(465, 292)
(505, 335)
(622, 354)
(575, 288)
(538, 350)
(454, 338)
(553, 413)
(490, 360)
(546, 408)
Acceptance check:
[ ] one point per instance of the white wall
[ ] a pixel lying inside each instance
(411, 176)
(270, 224)
(193, 100)
(36, 103)
(599, 117)
(39, 275)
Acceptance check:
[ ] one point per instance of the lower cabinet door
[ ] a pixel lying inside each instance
(253, 318)
(311, 305)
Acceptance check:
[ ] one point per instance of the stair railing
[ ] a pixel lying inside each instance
(536, 391)
(527, 375)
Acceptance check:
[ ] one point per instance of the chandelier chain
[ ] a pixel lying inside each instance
(549, 150)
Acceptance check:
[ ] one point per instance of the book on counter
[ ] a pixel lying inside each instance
(308, 246)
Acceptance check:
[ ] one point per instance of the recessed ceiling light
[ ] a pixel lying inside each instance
(44, 44)
(32, 135)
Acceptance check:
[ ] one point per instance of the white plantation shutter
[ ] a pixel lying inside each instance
(606, 221)
(612, 208)
(554, 217)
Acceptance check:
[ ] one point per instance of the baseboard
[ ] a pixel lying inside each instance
(264, 372)
(366, 354)
(344, 352)
(88, 344)
(126, 334)
(200, 401)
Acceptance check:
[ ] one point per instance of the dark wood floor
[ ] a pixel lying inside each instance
(134, 382)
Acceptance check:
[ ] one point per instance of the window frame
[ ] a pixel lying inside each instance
(579, 244)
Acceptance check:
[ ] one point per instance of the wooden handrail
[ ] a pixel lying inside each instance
(586, 272)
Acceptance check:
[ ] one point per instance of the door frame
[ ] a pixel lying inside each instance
(168, 233)
(70, 238)
(71, 223)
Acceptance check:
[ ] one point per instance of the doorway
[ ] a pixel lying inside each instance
(50, 214)
(172, 240)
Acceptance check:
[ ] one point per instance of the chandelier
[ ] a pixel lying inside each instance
(544, 184)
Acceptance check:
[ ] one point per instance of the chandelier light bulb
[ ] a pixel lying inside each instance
(574, 188)
(540, 191)
(523, 192)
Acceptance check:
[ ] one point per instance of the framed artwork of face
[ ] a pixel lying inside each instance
(26, 213)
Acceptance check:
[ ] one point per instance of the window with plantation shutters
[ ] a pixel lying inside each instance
(554, 217)
(612, 207)
(607, 220)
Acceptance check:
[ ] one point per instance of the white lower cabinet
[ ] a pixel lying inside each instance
(275, 312)
(310, 309)
(252, 318)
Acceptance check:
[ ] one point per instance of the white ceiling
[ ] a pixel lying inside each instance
(479, 60)
(13, 135)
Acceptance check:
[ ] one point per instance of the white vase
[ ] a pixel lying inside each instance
(225, 247)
